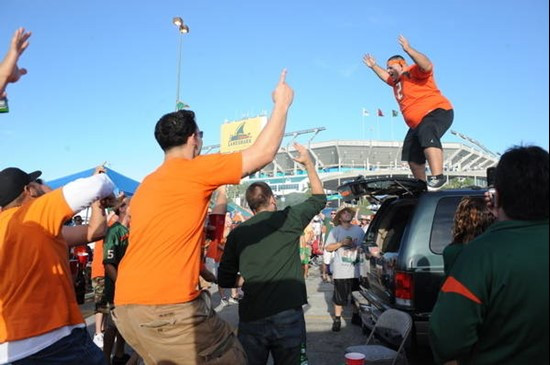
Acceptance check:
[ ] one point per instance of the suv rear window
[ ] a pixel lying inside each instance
(442, 226)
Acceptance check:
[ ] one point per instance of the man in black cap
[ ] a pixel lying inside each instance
(13, 182)
(39, 317)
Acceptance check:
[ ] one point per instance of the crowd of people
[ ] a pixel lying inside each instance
(157, 249)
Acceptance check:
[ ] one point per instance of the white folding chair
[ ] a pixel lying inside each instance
(396, 323)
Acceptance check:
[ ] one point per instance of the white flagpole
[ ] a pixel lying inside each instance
(378, 130)
(391, 125)
(363, 124)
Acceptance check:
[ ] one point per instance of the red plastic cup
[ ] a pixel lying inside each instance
(355, 358)
(215, 227)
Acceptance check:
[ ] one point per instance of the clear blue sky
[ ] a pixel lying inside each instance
(101, 73)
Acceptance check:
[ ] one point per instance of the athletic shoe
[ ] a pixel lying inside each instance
(98, 340)
(435, 183)
(224, 301)
(336, 325)
(233, 300)
(356, 319)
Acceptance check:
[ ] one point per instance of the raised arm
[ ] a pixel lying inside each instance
(267, 144)
(370, 62)
(93, 231)
(97, 225)
(304, 158)
(420, 59)
(81, 193)
(9, 71)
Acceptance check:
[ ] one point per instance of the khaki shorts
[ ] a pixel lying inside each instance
(184, 333)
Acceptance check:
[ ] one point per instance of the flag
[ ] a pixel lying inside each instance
(365, 112)
(380, 113)
(394, 113)
(181, 105)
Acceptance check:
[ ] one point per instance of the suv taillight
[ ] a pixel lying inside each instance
(404, 288)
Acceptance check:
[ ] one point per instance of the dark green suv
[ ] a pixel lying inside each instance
(403, 247)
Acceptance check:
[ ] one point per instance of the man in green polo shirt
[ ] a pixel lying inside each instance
(493, 307)
(265, 250)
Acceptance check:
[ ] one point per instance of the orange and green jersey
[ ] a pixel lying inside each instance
(493, 307)
(417, 94)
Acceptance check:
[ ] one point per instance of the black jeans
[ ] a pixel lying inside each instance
(282, 334)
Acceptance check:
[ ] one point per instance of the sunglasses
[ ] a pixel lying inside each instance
(200, 133)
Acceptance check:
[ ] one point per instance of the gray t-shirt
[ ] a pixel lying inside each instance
(346, 260)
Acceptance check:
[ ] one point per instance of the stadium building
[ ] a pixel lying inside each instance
(338, 161)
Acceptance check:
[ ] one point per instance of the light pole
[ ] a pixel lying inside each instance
(183, 29)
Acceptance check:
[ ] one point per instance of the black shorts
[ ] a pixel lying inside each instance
(343, 289)
(427, 134)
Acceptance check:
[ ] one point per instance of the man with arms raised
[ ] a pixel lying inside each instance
(264, 249)
(159, 310)
(40, 321)
(426, 111)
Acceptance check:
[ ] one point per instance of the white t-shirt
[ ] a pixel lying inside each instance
(317, 228)
(346, 260)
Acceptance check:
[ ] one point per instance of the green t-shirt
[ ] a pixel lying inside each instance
(114, 248)
(265, 250)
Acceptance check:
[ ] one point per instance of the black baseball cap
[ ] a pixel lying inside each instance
(12, 183)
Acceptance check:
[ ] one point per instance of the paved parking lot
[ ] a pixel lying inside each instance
(324, 346)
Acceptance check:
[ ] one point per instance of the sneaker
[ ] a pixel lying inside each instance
(98, 340)
(233, 300)
(356, 319)
(435, 183)
(336, 325)
(224, 301)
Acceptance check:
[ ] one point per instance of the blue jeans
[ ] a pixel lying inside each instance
(282, 334)
(76, 348)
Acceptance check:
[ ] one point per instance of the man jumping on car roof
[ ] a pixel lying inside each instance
(426, 111)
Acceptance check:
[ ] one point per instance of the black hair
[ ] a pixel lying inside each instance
(175, 128)
(258, 195)
(396, 57)
(521, 179)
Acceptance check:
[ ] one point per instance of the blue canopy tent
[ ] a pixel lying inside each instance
(123, 183)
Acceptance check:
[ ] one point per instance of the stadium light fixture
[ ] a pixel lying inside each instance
(183, 29)
(178, 22)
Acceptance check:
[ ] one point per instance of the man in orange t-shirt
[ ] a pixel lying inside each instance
(40, 321)
(158, 307)
(426, 111)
